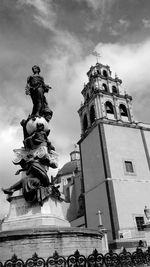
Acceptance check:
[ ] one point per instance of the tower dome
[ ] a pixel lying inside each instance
(73, 165)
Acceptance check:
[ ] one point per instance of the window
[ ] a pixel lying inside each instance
(67, 194)
(129, 167)
(81, 210)
(139, 222)
(92, 114)
(114, 89)
(109, 107)
(105, 74)
(105, 87)
(123, 110)
(85, 123)
(123, 113)
(92, 88)
(98, 72)
(87, 96)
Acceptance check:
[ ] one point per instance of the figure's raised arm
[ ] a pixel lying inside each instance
(47, 88)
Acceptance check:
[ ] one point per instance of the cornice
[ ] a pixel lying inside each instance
(114, 123)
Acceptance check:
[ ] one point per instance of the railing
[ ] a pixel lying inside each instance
(124, 259)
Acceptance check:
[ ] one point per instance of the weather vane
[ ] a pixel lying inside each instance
(96, 54)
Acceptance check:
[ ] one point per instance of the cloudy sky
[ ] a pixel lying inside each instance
(59, 36)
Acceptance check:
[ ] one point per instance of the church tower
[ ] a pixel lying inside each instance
(104, 98)
(114, 158)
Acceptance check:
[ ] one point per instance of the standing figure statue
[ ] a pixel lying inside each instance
(36, 88)
(38, 154)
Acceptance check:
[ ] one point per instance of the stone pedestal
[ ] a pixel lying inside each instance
(46, 240)
(103, 231)
(23, 215)
(31, 228)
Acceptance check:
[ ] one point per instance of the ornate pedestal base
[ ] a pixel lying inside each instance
(23, 215)
(31, 229)
(46, 240)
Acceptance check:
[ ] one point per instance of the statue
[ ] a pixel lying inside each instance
(38, 154)
(35, 179)
(36, 88)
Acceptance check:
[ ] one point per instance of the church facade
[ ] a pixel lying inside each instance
(115, 162)
(115, 157)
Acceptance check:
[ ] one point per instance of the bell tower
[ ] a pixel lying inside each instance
(104, 98)
(115, 157)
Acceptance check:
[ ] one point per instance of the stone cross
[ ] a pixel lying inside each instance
(96, 54)
(99, 213)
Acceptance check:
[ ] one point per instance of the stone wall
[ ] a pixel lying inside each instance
(44, 241)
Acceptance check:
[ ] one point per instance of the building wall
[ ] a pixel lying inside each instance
(70, 205)
(129, 193)
(125, 143)
(94, 181)
(75, 191)
(131, 198)
(78, 191)
(132, 192)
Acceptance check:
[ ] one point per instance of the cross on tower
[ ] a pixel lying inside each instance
(96, 54)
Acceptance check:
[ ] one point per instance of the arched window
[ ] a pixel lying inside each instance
(114, 89)
(98, 71)
(105, 87)
(92, 114)
(123, 110)
(109, 110)
(92, 88)
(109, 107)
(105, 74)
(87, 97)
(85, 123)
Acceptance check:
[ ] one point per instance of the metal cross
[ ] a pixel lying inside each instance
(97, 55)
